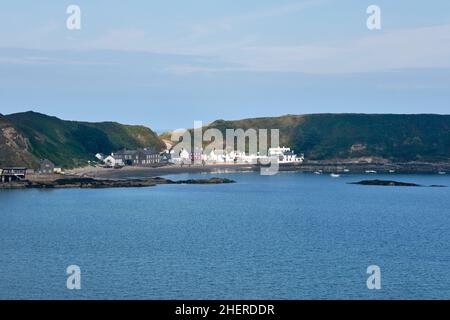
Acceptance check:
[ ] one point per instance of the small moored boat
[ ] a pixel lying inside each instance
(335, 175)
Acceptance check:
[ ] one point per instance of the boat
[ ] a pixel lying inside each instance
(318, 172)
(335, 175)
(391, 171)
(442, 173)
(371, 171)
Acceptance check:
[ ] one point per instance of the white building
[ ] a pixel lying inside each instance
(182, 157)
(110, 161)
(100, 156)
(282, 154)
(285, 155)
(185, 155)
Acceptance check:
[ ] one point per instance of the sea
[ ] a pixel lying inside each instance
(288, 236)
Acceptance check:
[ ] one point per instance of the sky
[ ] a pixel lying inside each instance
(165, 64)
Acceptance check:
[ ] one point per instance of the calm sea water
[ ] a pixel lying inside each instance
(289, 236)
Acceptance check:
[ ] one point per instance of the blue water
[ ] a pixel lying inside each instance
(289, 236)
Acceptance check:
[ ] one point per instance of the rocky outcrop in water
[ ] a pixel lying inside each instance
(91, 183)
(389, 183)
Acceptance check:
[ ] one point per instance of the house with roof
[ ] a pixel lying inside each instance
(11, 174)
(147, 157)
(140, 157)
(100, 156)
(124, 157)
(110, 161)
(46, 167)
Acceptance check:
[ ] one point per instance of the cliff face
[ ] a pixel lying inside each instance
(27, 137)
(14, 146)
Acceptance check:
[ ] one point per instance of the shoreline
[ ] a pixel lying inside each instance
(307, 167)
(98, 177)
(75, 182)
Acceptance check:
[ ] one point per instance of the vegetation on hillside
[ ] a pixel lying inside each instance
(27, 137)
(14, 147)
(341, 136)
(73, 143)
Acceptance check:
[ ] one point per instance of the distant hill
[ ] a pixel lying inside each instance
(343, 136)
(27, 137)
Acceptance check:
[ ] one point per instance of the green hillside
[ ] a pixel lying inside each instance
(342, 136)
(73, 143)
(14, 146)
(27, 137)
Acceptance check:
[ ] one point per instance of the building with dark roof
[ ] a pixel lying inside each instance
(11, 174)
(139, 157)
(46, 167)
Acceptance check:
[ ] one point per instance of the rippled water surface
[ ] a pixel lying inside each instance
(289, 236)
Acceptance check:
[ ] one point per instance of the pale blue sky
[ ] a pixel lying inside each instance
(167, 63)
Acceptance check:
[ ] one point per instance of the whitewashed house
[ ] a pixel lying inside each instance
(285, 155)
(100, 156)
(185, 155)
(110, 161)
(182, 157)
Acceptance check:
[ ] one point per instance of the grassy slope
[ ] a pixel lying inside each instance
(27, 137)
(331, 136)
(72, 143)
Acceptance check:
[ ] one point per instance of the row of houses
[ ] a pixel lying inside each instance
(151, 157)
(283, 155)
(140, 157)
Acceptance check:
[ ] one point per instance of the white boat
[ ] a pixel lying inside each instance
(371, 171)
(442, 172)
(335, 175)
(391, 171)
(318, 172)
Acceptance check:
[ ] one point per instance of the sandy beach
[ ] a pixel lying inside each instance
(148, 172)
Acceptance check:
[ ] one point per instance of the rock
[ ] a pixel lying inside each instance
(386, 183)
(205, 181)
(389, 183)
(91, 183)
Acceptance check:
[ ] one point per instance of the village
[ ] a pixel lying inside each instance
(151, 158)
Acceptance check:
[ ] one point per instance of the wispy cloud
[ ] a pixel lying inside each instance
(401, 49)
(218, 45)
(50, 57)
(194, 38)
(228, 23)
